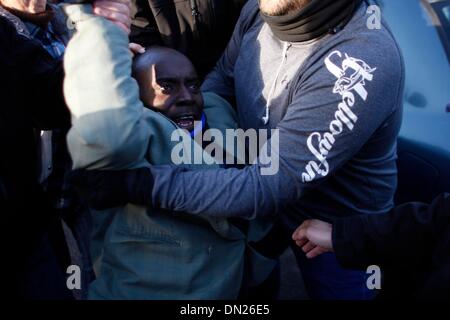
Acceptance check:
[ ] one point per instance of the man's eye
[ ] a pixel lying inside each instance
(166, 87)
(195, 87)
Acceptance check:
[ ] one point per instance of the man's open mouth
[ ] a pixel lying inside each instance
(185, 122)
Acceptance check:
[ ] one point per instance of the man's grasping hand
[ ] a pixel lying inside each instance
(314, 237)
(117, 11)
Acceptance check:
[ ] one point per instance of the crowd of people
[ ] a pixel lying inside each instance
(92, 94)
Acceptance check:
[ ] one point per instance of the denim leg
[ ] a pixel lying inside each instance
(325, 279)
(82, 232)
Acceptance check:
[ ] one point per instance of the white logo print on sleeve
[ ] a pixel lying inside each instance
(351, 77)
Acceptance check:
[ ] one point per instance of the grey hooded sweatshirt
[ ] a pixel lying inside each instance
(336, 103)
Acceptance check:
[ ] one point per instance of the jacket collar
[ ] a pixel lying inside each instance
(18, 24)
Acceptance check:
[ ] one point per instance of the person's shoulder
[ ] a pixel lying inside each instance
(249, 7)
(370, 53)
(375, 44)
(12, 24)
(372, 46)
(249, 12)
(12, 37)
(5, 30)
(359, 59)
(4, 25)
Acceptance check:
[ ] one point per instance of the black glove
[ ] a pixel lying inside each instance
(111, 189)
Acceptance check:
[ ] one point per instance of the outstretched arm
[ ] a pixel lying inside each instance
(404, 236)
(322, 130)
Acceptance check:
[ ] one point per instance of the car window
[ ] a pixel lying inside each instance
(427, 87)
(443, 10)
(440, 13)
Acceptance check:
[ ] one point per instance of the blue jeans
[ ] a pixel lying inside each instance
(325, 279)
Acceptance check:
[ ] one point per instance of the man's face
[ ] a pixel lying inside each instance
(29, 6)
(175, 91)
(281, 7)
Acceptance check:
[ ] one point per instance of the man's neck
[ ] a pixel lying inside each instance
(314, 19)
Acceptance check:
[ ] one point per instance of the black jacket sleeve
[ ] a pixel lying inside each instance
(31, 97)
(403, 237)
(38, 77)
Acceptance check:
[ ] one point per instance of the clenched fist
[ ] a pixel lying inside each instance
(314, 237)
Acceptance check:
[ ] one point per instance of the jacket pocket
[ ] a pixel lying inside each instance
(141, 226)
(154, 237)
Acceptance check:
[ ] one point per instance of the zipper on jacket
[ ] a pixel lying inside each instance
(195, 14)
(194, 10)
